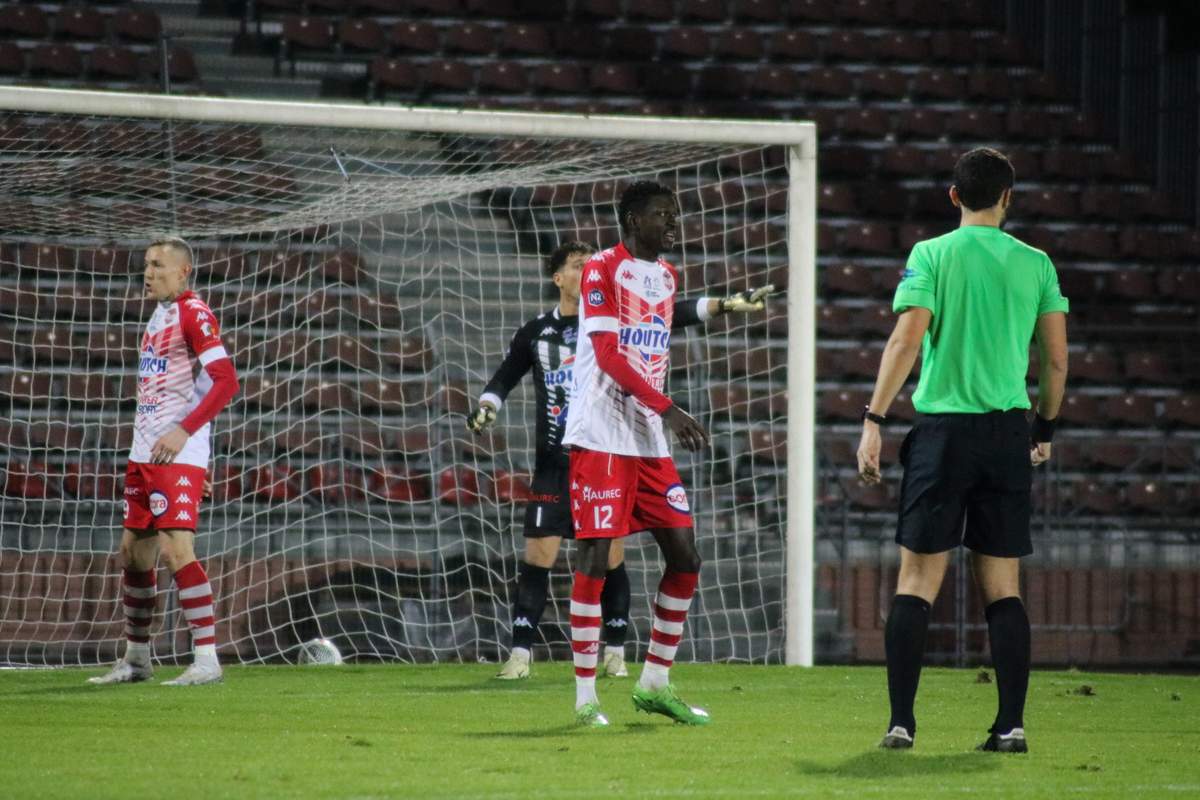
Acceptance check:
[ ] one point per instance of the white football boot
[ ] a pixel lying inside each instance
(197, 675)
(124, 672)
(614, 663)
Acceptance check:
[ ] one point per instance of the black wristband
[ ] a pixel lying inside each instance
(1043, 429)
(878, 419)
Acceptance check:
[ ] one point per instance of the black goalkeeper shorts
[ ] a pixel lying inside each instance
(967, 480)
(548, 512)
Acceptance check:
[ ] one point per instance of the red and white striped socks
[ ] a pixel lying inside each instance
(585, 635)
(195, 597)
(675, 592)
(138, 589)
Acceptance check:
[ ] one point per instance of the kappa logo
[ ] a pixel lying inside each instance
(183, 481)
(183, 498)
(591, 649)
(158, 503)
(627, 275)
(184, 515)
(594, 275)
(547, 332)
(522, 622)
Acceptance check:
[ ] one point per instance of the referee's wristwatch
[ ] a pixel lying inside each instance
(878, 419)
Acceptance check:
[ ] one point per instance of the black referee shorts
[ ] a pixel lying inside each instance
(971, 468)
(548, 512)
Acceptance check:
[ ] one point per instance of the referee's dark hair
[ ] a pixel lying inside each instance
(981, 176)
(563, 252)
(635, 198)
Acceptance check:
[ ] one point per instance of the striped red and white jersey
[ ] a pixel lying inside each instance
(181, 339)
(634, 299)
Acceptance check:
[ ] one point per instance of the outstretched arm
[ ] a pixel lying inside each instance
(512, 369)
(693, 312)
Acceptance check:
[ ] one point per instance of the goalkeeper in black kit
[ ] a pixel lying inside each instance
(546, 344)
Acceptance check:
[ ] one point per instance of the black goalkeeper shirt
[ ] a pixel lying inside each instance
(547, 345)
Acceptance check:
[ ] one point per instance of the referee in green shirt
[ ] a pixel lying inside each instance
(970, 301)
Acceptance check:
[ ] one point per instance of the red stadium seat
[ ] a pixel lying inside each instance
(652, 10)
(470, 38)
(1182, 410)
(938, 85)
(1151, 497)
(12, 60)
(79, 22)
(1095, 497)
(848, 278)
(274, 483)
(619, 79)
(869, 238)
(459, 486)
(702, 10)
(721, 82)
(1095, 366)
(453, 76)
(984, 84)
(1150, 368)
(399, 485)
(847, 45)
(905, 160)
(56, 60)
(871, 497)
(774, 82)
(28, 480)
(598, 9)
(1081, 410)
(559, 78)
(362, 35)
(828, 82)
(867, 121)
(390, 73)
(793, 45)
(685, 44)
(845, 405)
(181, 65)
(923, 123)
(119, 63)
(819, 11)
(1134, 410)
(334, 483)
(91, 480)
(24, 21)
(415, 37)
(136, 25)
(437, 8)
(636, 44)
(526, 39)
(1114, 454)
(901, 46)
(739, 44)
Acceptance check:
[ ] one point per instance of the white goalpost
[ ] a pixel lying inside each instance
(368, 265)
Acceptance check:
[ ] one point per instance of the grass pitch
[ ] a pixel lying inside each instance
(451, 731)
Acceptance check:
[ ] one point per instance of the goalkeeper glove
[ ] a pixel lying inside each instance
(481, 418)
(743, 302)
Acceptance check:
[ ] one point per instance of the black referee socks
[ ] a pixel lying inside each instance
(1008, 633)
(904, 641)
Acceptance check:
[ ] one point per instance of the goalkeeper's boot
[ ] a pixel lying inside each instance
(1011, 742)
(588, 715)
(124, 672)
(666, 702)
(614, 664)
(898, 738)
(516, 668)
(197, 675)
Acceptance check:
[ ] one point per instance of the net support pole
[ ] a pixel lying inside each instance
(801, 408)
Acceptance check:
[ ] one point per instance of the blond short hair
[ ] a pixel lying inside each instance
(175, 243)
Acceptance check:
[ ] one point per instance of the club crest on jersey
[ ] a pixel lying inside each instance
(560, 376)
(650, 337)
(151, 363)
(595, 297)
(677, 498)
(158, 503)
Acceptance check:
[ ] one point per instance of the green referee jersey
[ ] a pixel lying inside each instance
(985, 290)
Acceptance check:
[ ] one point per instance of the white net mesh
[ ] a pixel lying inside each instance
(367, 283)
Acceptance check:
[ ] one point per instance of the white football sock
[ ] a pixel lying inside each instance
(585, 692)
(523, 654)
(654, 676)
(137, 653)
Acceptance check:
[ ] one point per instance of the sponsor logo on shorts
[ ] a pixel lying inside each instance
(590, 494)
(125, 507)
(132, 491)
(677, 498)
(158, 503)
(183, 481)
(184, 515)
(183, 498)
(595, 297)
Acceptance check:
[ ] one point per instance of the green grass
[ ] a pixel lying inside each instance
(451, 731)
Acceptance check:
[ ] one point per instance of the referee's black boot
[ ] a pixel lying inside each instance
(898, 738)
(1011, 742)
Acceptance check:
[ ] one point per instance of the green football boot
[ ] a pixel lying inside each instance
(589, 716)
(666, 702)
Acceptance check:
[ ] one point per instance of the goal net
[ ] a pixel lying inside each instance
(368, 267)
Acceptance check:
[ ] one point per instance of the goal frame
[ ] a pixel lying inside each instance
(799, 138)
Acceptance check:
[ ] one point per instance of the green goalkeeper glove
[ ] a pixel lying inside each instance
(481, 418)
(743, 302)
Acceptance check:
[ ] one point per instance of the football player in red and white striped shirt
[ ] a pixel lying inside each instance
(622, 477)
(168, 463)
